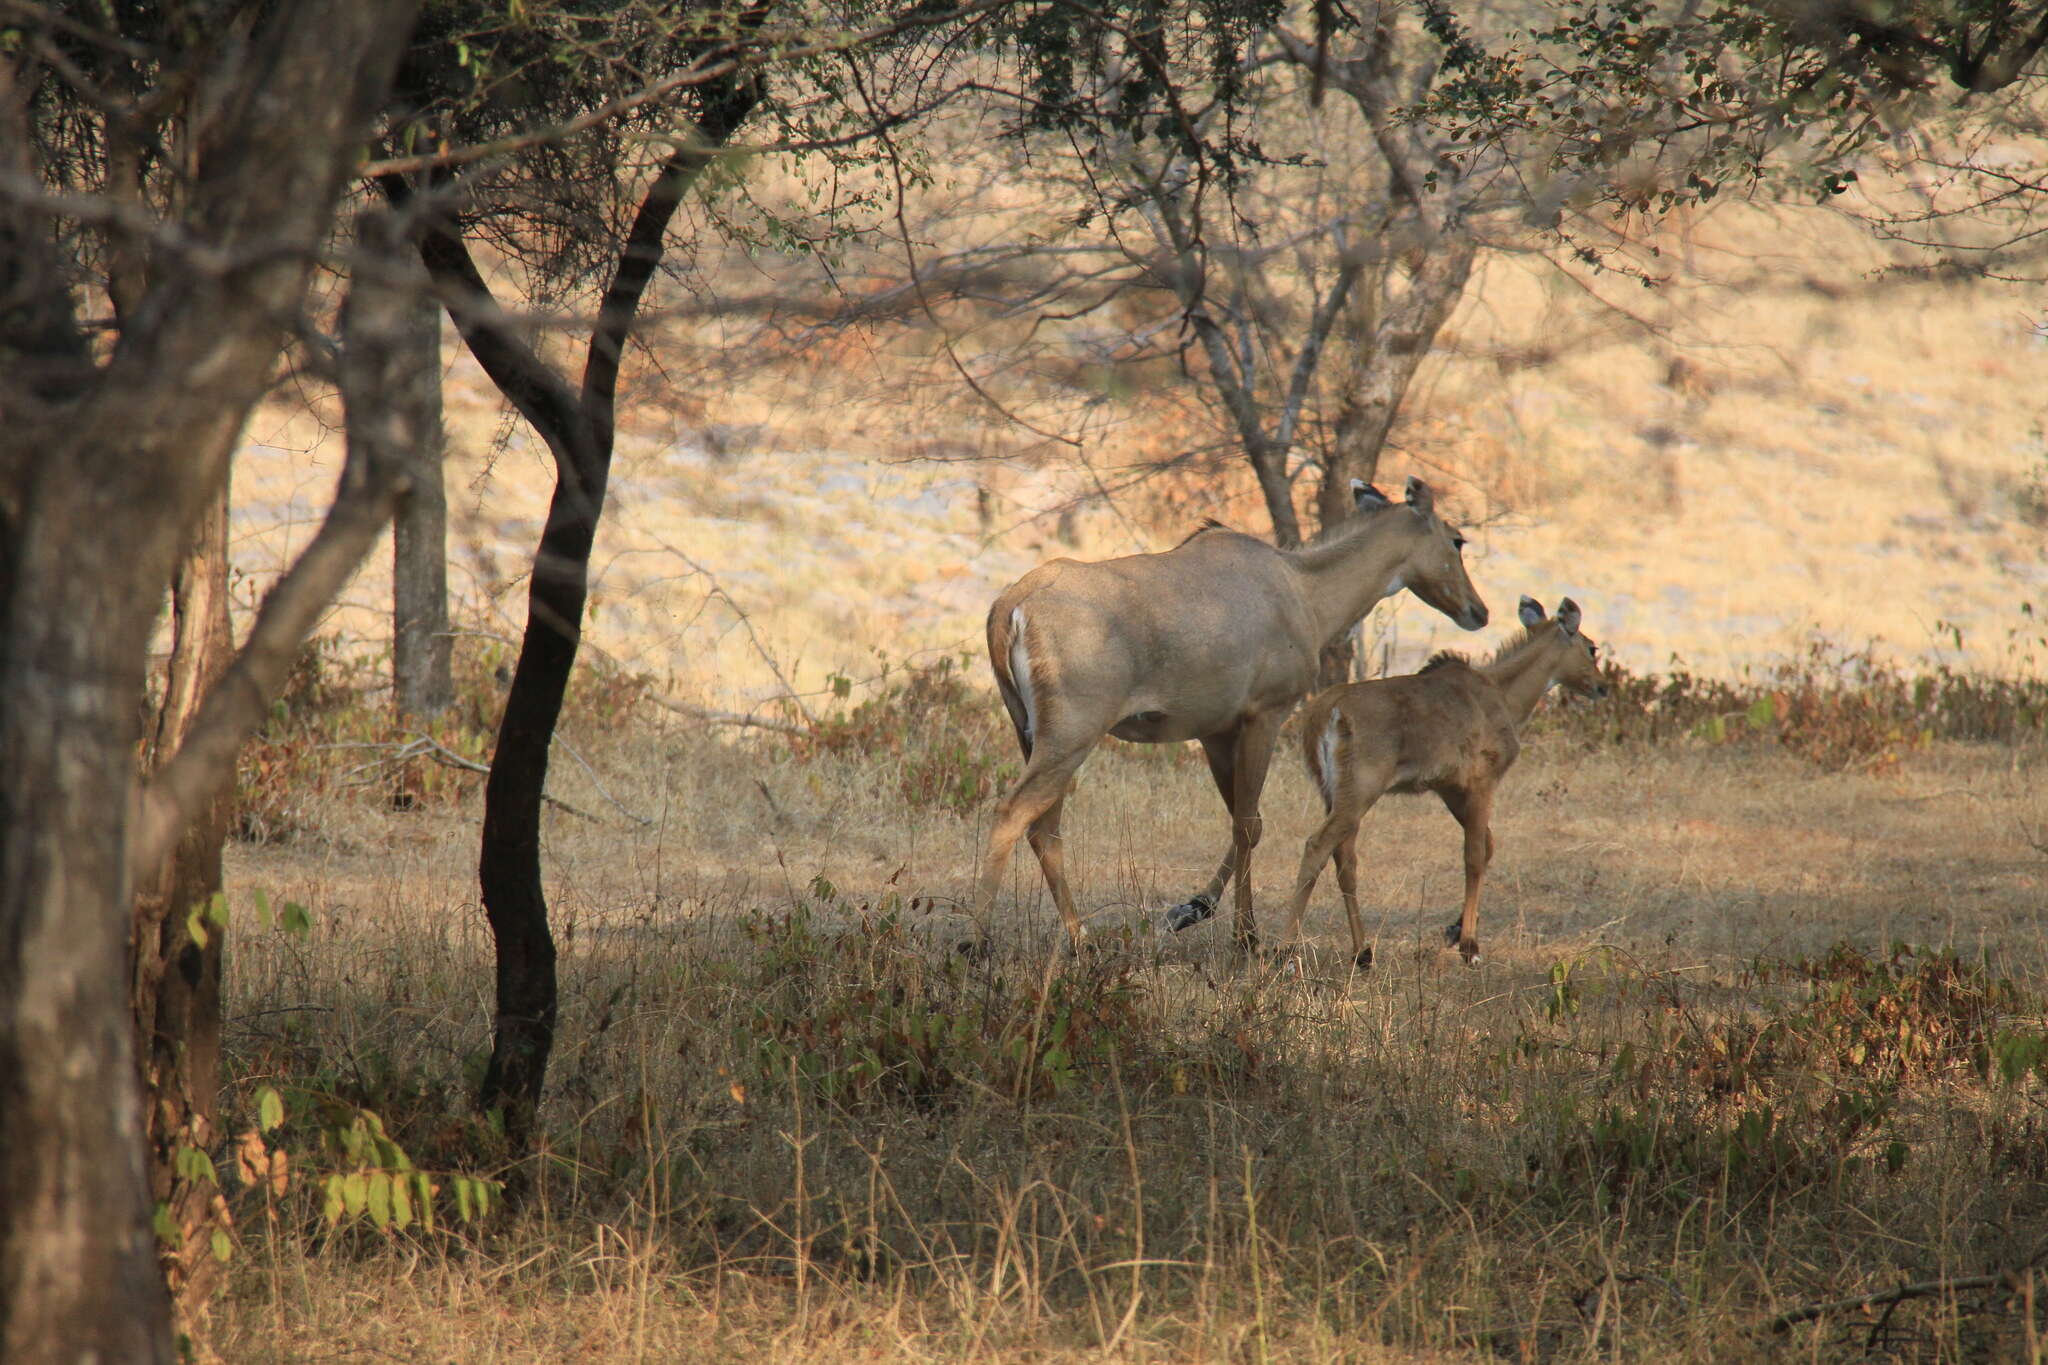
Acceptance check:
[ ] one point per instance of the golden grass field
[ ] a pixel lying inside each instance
(786, 1122)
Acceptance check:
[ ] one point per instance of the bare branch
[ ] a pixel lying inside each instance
(375, 474)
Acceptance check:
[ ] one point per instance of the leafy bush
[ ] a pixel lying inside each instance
(332, 728)
(1835, 708)
(951, 742)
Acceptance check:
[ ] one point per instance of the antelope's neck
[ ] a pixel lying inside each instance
(1523, 679)
(1344, 582)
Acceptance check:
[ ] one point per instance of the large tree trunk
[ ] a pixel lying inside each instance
(176, 1000)
(1381, 353)
(104, 469)
(420, 644)
(78, 1265)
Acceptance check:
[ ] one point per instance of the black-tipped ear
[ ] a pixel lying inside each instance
(1366, 498)
(1568, 616)
(1531, 611)
(1419, 496)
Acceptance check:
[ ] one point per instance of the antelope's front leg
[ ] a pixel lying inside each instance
(1253, 756)
(1221, 753)
(1475, 813)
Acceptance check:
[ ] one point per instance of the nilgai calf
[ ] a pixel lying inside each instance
(1215, 640)
(1451, 729)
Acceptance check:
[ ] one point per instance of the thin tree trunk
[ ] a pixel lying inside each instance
(420, 643)
(176, 999)
(577, 425)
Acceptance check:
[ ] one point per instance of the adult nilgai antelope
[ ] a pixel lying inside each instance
(1452, 729)
(1216, 640)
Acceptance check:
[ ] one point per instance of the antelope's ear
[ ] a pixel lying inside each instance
(1568, 616)
(1531, 611)
(1419, 496)
(1366, 498)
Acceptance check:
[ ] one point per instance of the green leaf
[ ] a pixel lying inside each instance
(1761, 713)
(295, 919)
(194, 1165)
(380, 1199)
(464, 1205)
(163, 1225)
(195, 924)
(336, 1202)
(355, 1192)
(269, 1108)
(262, 899)
(424, 1198)
(217, 909)
(222, 1247)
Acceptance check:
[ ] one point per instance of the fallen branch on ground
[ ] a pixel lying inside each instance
(1924, 1289)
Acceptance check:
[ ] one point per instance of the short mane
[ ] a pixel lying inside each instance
(1509, 648)
(1208, 524)
(1515, 644)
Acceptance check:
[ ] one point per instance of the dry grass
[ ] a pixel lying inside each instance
(786, 1121)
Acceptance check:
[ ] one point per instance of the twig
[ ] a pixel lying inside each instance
(447, 757)
(591, 773)
(1923, 1289)
(717, 717)
(747, 623)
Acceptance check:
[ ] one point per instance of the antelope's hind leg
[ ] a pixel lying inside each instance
(1052, 861)
(1042, 788)
(1347, 882)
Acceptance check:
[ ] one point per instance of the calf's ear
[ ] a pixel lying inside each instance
(1531, 611)
(1568, 616)
(1366, 498)
(1419, 496)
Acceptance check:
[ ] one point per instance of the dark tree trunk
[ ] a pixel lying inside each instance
(420, 645)
(176, 998)
(577, 425)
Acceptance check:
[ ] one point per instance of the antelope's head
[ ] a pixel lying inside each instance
(1577, 669)
(1435, 567)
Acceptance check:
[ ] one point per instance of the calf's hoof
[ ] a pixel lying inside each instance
(1188, 914)
(1363, 962)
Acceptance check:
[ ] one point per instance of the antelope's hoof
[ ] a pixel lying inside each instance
(1470, 952)
(1452, 932)
(1188, 914)
(1363, 962)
